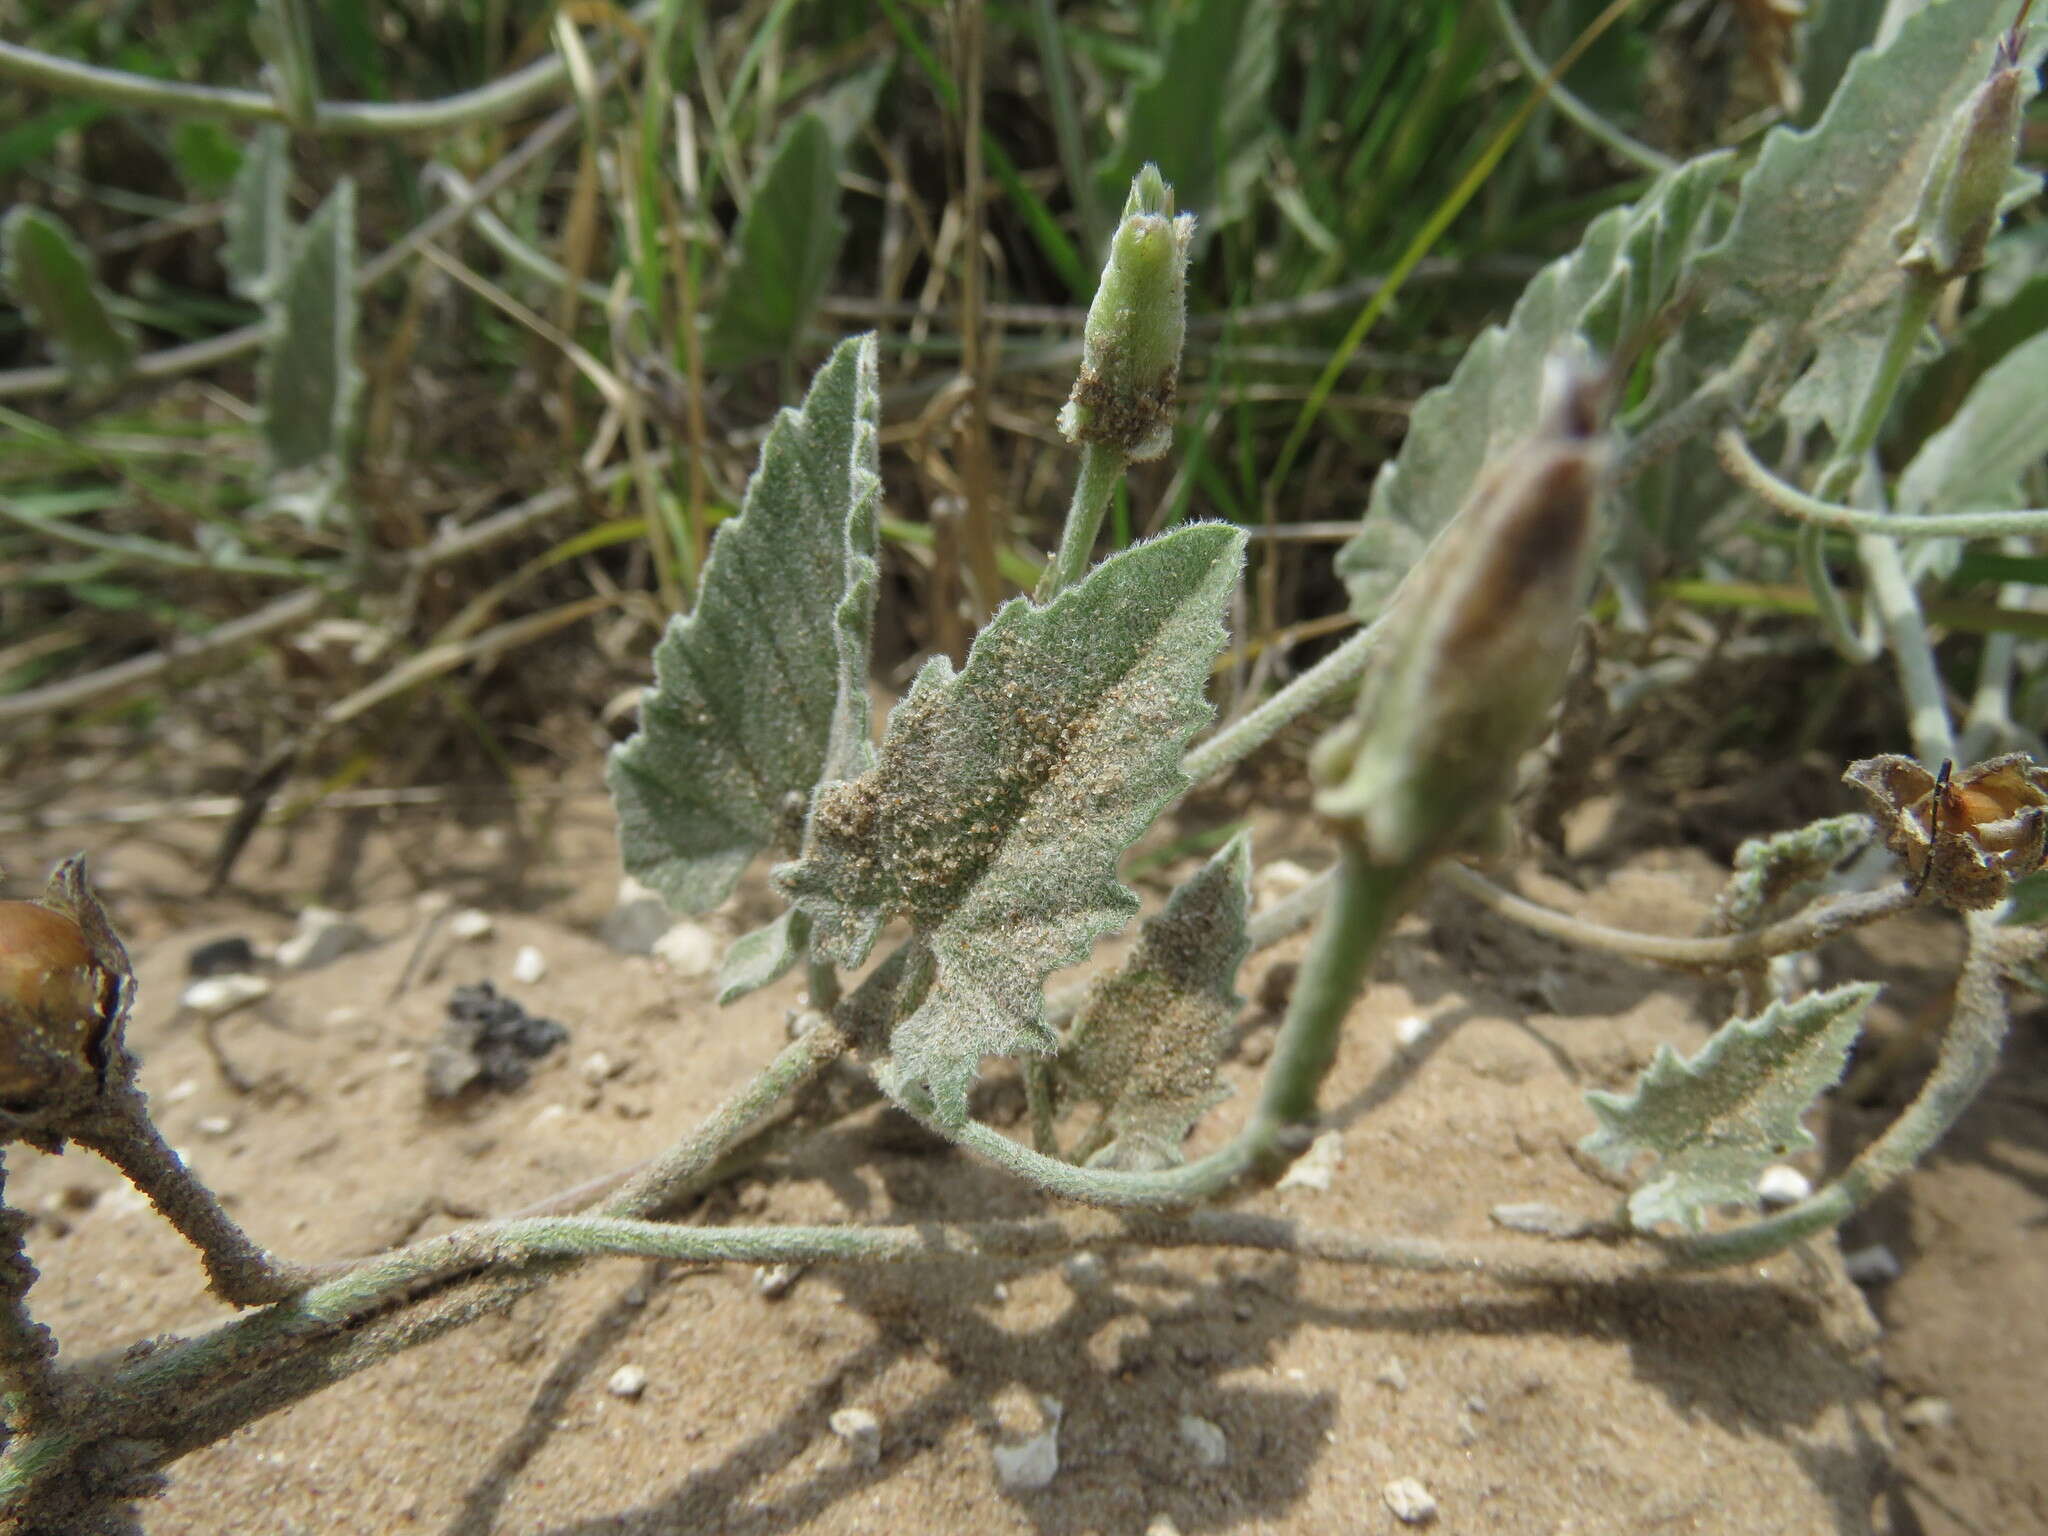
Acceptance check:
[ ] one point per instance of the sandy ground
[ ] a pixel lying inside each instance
(1762, 1400)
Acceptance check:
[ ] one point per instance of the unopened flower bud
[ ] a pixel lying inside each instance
(65, 986)
(1479, 639)
(1964, 195)
(1130, 357)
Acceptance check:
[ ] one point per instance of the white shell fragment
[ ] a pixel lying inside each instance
(688, 949)
(1315, 1167)
(862, 1432)
(323, 936)
(1928, 1413)
(471, 925)
(216, 996)
(1033, 1465)
(529, 965)
(1205, 1440)
(628, 1381)
(1781, 1184)
(1875, 1265)
(1411, 1503)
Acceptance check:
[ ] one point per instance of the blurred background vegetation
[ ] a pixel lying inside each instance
(222, 545)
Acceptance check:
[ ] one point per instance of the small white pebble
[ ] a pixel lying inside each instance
(550, 1115)
(628, 1381)
(596, 1068)
(471, 925)
(181, 1090)
(1083, 1269)
(125, 1201)
(1279, 877)
(688, 949)
(1411, 1503)
(772, 1281)
(1928, 1413)
(215, 996)
(529, 965)
(1393, 1374)
(1001, 1291)
(398, 1061)
(1781, 1184)
(216, 1125)
(1315, 1167)
(862, 1432)
(1205, 1440)
(1161, 1525)
(341, 1018)
(1411, 1030)
(322, 938)
(1033, 1465)
(1875, 1265)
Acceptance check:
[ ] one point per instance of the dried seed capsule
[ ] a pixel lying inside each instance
(1968, 839)
(1479, 639)
(1966, 187)
(65, 985)
(1130, 357)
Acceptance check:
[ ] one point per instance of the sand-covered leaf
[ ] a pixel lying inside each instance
(50, 276)
(310, 378)
(1626, 269)
(1005, 793)
(1714, 1123)
(1147, 1041)
(258, 223)
(1811, 249)
(760, 693)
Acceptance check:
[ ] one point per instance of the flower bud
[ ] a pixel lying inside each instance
(1964, 194)
(1130, 351)
(1479, 639)
(65, 986)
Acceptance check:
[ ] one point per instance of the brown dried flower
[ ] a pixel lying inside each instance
(65, 987)
(1965, 836)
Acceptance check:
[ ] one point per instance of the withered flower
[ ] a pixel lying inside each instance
(1966, 838)
(65, 988)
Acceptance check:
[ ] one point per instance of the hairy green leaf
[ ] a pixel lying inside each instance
(51, 278)
(310, 378)
(1006, 791)
(761, 692)
(765, 956)
(1716, 1122)
(283, 34)
(784, 249)
(1147, 1041)
(2000, 432)
(847, 107)
(1770, 870)
(259, 227)
(1204, 117)
(206, 155)
(1810, 251)
(1625, 270)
